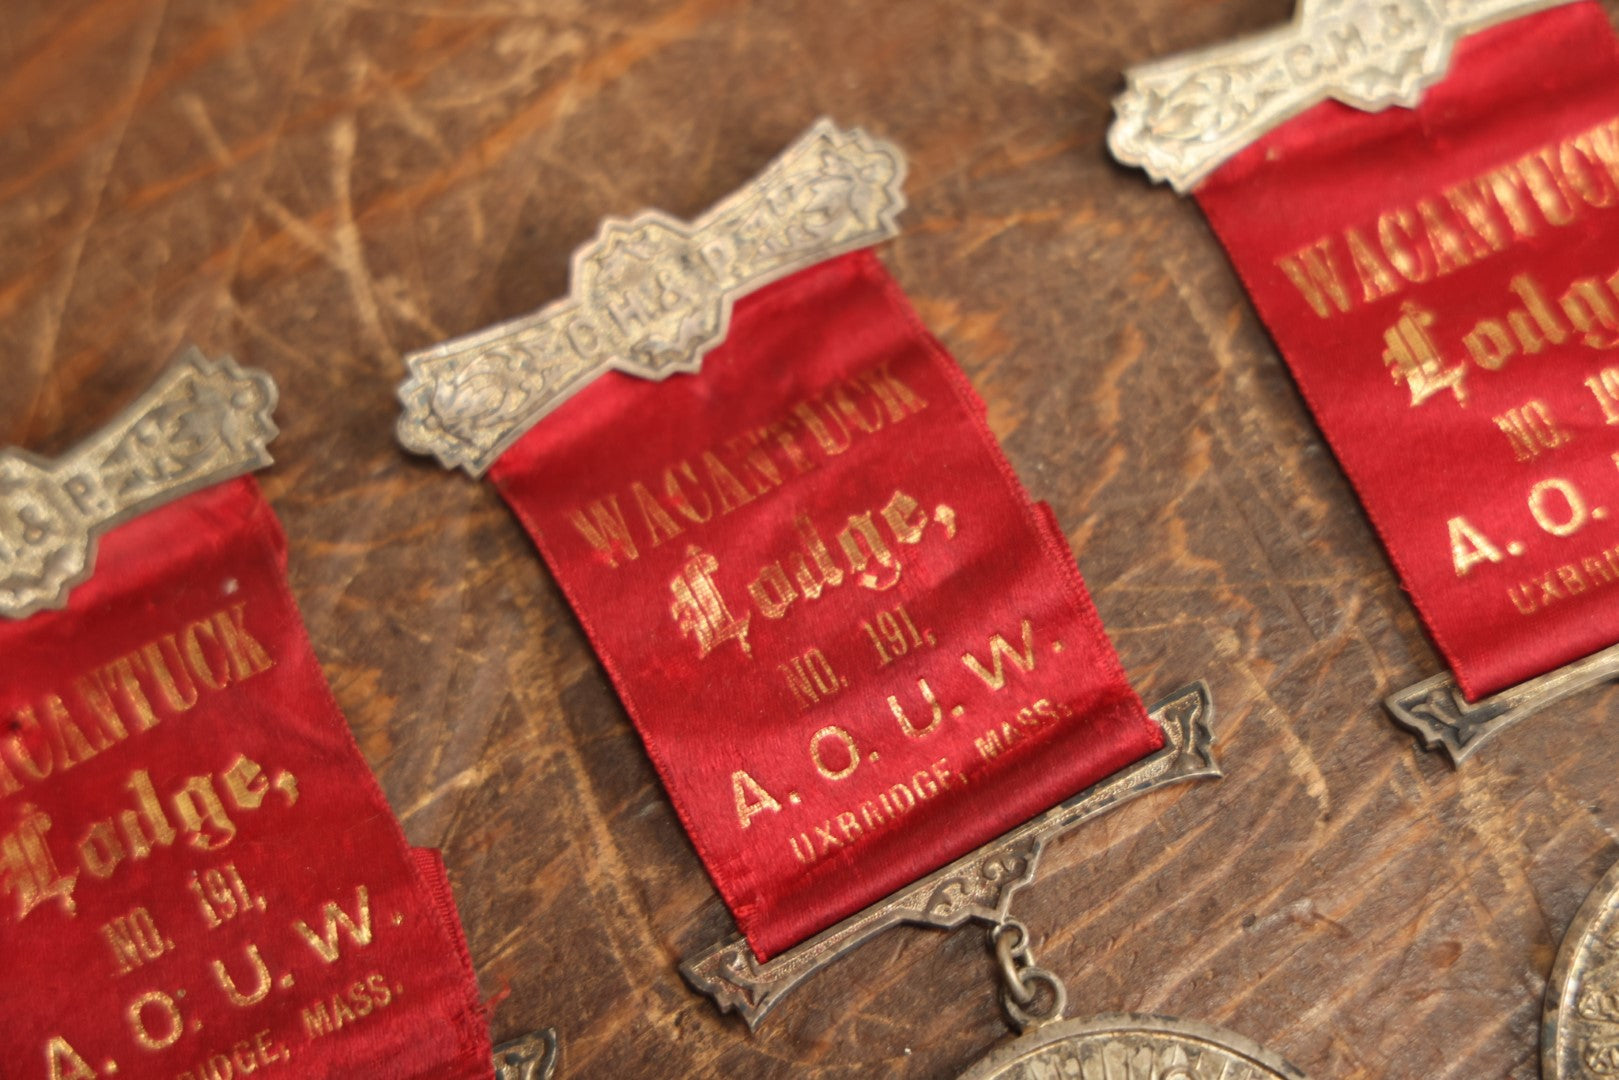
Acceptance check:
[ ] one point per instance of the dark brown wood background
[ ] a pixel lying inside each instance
(319, 186)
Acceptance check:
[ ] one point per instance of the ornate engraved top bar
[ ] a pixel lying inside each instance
(651, 295)
(1181, 118)
(202, 422)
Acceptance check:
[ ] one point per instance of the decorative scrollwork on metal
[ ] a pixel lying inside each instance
(651, 296)
(202, 422)
(532, 1057)
(977, 886)
(1182, 117)
(1436, 710)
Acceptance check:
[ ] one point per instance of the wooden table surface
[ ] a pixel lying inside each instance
(319, 186)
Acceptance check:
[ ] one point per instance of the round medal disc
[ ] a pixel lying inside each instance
(1128, 1047)
(1579, 1031)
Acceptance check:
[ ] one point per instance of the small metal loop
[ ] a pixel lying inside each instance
(1022, 1016)
(1007, 956)
(996, 933)
(1013, 985)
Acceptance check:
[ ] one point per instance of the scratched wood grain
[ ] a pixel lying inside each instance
(318, 186)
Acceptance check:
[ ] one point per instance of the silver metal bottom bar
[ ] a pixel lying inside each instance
(1438, 713)
(978, 885)
(532, 1057)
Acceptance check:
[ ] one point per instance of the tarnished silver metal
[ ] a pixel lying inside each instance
(1009, 941)
(1022, 978)
(1436, 710)
(978, 886)
(1182, 117)
(651, 296)
(203, 421)
(1040, 1008)
(532, 1057)
(1129, 1047)
(1579, 1031)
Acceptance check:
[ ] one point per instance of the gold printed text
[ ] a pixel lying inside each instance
(1553, 187)
(619, 527)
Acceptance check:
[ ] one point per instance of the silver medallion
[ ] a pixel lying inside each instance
(1182, 117)
(651, 296)
(1128, 1047)
(203, 421)
(1579, 1034)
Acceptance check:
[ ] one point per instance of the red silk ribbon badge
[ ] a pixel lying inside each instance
(199, 877)
(1444, 283)
(854, 648)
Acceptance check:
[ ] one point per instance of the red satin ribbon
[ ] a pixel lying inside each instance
(853, 647)
(199, 877)
(1444, 283)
